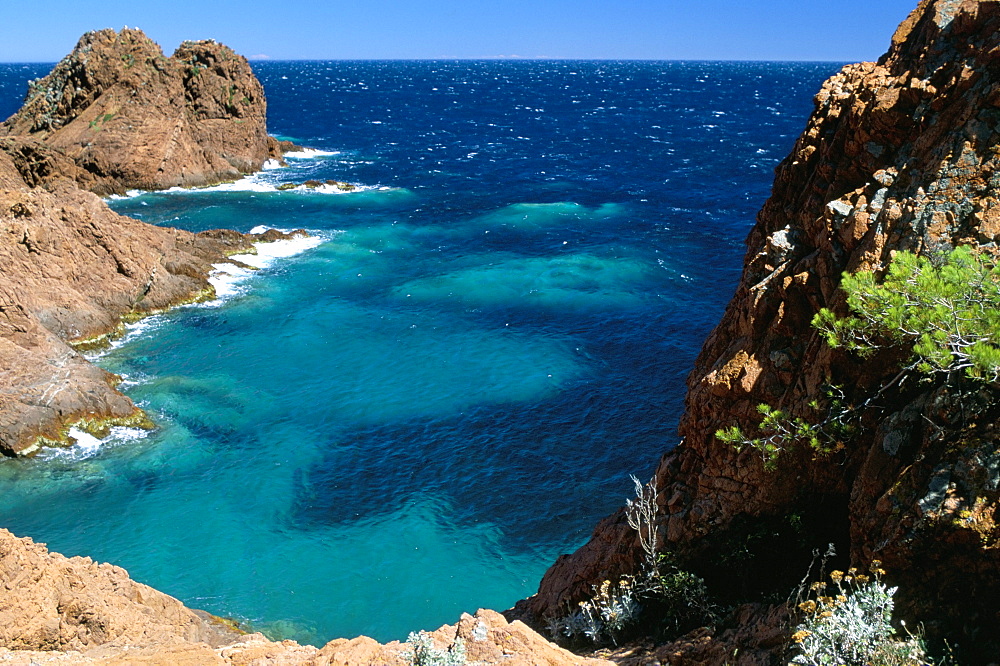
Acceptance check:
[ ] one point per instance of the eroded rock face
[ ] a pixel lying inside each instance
(898, 155)
(56, 603)
(116, 114)
(70, 270)
(76, 611)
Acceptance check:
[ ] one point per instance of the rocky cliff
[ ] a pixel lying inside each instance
(113, 115)
(901, 154)
(117, 114)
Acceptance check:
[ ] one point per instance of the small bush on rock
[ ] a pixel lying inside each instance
(423, 652)
(850, 624)
(678, 599)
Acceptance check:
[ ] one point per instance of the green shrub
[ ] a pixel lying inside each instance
(778, 430)
(941, 313)
(945, 310)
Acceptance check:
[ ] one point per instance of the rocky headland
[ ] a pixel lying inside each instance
(116, 114)
(113, 115)
(898, 155)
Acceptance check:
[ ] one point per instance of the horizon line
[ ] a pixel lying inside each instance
(267, 59)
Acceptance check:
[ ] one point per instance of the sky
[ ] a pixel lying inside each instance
(833, 30)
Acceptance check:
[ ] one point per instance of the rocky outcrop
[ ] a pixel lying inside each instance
(113, 115)
(56, 603)
(117, 114)
(898, 155)
(70, 271)
(77, 611)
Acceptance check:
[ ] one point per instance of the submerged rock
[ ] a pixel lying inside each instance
(318, 184)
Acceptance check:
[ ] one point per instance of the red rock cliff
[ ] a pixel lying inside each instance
(903, 154)
(116, 114)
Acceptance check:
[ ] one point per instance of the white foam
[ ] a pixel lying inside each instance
(229, 279)
(310, 153)
(132, 331)
(252, 183)
(129, 194)
(270, 165)
(87, 446)
(84, 440)
(256, 183)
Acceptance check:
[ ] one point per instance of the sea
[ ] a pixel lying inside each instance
(413, 412)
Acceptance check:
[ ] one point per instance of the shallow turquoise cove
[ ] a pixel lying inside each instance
(416, 416)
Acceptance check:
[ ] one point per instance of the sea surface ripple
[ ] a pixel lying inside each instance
(415, 416)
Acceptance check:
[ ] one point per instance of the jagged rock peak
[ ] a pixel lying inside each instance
(116, 114)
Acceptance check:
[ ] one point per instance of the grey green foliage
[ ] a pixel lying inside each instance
(603, 617)
(850, 624)
(678, 598)
(423, 652)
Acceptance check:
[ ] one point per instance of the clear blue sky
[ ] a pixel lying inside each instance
(840, 30)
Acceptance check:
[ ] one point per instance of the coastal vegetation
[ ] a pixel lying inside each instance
(848, 622)
(661, 599)
(940, 314)
(422, 652)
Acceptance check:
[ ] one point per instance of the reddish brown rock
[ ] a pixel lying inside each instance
(116, 114)
(898, 155)
(70, 270)
(113, 115)
(75, 611)
(56, 603)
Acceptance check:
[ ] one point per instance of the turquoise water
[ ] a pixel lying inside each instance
(415, 416)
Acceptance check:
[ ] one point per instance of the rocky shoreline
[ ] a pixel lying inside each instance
(113, 115)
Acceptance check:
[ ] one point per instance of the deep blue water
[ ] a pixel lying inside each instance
(415, 417)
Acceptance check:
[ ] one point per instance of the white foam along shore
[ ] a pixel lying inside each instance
(87, 445)
(253, 183)
(227, 278)
(310, 153)
(258, 182)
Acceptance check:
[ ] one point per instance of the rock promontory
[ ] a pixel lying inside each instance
(113, 115)
(117, 114)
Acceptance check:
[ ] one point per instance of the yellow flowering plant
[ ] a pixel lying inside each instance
(852, 626)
